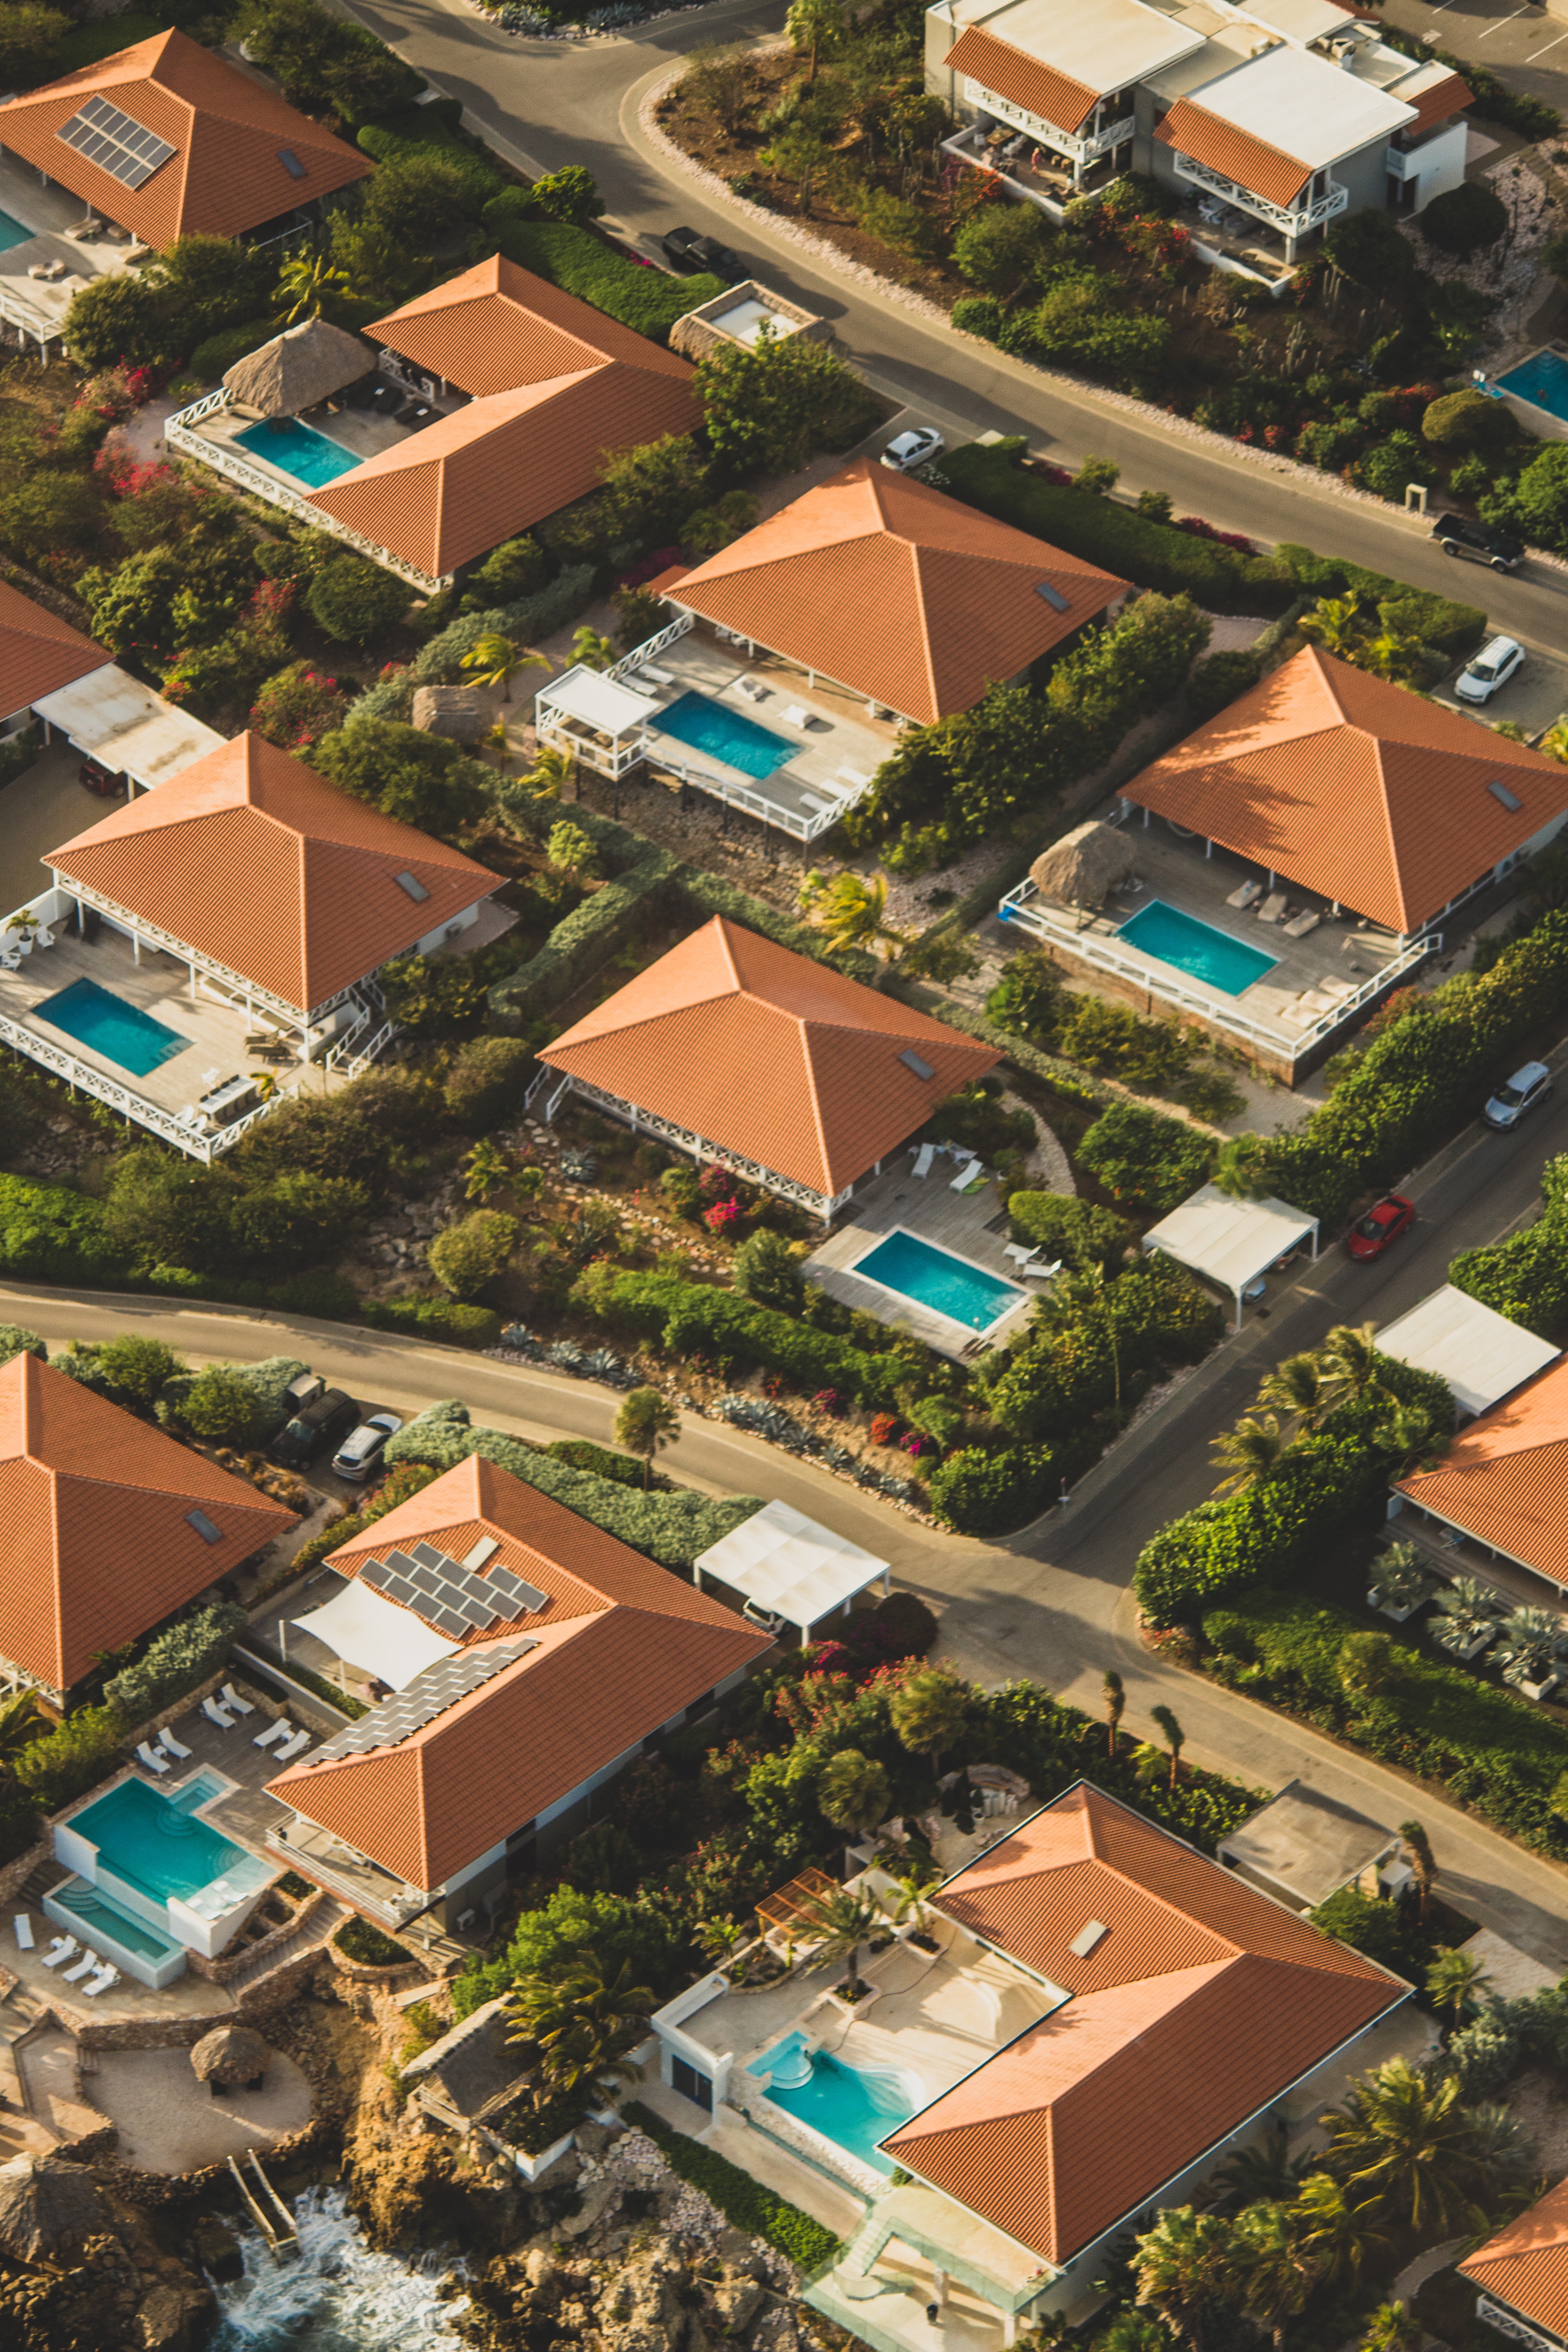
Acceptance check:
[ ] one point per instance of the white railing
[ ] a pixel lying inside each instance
(545, 1072)
(248, 992)
(1292, 221)
(377, 1045)
(1124, 963)
(1509, 2323)
(227, 1136)
(799, 825)
(1068, 143)
(104, 1088)
(651, 648)
(276, 490)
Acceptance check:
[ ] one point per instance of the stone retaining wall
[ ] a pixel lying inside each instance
(231, 1964)
(15, 1874)
(394, 1977)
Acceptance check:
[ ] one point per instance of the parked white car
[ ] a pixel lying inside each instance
(1500, 660)
(912, 449)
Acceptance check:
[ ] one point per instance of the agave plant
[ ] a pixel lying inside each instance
(577, 1167)
(603, 1364)
(1532, 1641)
(566, 1356)
(1401, 1578)
(1465, 1611)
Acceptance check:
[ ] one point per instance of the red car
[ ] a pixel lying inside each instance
(1381, 1227)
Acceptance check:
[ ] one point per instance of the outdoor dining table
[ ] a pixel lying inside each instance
(225, 1101)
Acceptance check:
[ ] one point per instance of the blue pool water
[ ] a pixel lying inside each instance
(1227, 964)
(725, 734)
(297, 449)
(155, 1847)
(103, 1923)
(919, 1270)
(12, 233)
(1541, 378)
(124, 1035)
(853, 2108)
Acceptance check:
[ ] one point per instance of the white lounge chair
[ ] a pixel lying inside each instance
(11, 960)
(1299, 925)
(44, 938)
(24, 1927)
(1273, 907)
(795, 716)
(60, 1949)
(294, 1747)
(1042, 1273)
(84, 1968)
(752, 689)
(152, 1761)
(1245, 895)
(1333, 986)
(1022, 1253)
(216, 1713)
(172, 1747)
(656, 676)
(853, 776)
(231, 1697)
(969, 1173)
(923, 1158)
(108, 1975)
(280, 1730)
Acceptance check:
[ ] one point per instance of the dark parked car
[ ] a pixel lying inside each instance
(1457, 535)
(314, 1427)
(687, 249)
(1372, 1234)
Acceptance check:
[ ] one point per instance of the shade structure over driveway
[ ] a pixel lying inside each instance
(1481, 1354)
(786, 1566)
(1231, 1243)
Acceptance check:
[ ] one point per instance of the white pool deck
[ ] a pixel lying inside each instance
(968, 1226)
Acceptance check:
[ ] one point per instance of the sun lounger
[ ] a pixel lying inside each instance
(280, 1730)
(231, 1697)
(752, 689)
(923, 1158)
(24, 1927)
(60, 1949)
(294, 1747)
(152, 1761)
(969, 1173)
(1022, 1251)
(1273, 907)
(84, 1968)
(1245, 895)
(172, 1747)
(656, 676)
(853, 776)
(795, 716)
(1302, 924)
(216, 1713)
(1312, 1002)
(1331, 985)
(108, 1975)
(1042, 1273)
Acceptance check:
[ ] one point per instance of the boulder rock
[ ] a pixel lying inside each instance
(458, 713)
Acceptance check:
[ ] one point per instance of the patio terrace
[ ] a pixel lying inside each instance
(36, 307)
(970, 1225)
(1454, 1554)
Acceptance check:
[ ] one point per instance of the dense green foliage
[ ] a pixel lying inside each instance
(691, 1319)
(1144, 1158)
(741, 2199)
(184, 1655)
(1526, 1276)
(572, 258)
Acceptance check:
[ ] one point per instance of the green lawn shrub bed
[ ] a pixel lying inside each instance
(741, 2200)
(1526, 1277)
(693, 1318)
(647, 299)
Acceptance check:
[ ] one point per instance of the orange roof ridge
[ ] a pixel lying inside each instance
(39, 653)
(1503, 1478)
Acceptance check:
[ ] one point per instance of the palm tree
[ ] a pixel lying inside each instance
(1455, 1984)
(1115, 1705)
(309, 282)
(549, 773)
(850, 909)
(1278, 2271)
(1413, 1437)
(1351, 1363)
(1408, 2140)
(1175, 1738)
(645, 1424)
(1335, 624)
(1392, 2329)
(1184, 2264)
(583, 2024)
(812, 25)
(1504, 2158)
(912, 1903)
(1296, 1386)
(1340, 2232)
(486, 1166)
(499, 659)
(1401, 1578)
(1554, 742)
(719, 1938)
(1532, 1645)
(1393, 655)
(591, 651)
(1466, 1609)
(1422, 1859)
(1250, 1452)
(1264, 2173)
(837, 1924)
(22, 1720)
(853, 1792)
(926, 1711)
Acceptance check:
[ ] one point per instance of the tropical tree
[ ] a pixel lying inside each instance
(22, 1721)
(1414, 1437)
(646, 1425)
(1423, 1862)
(497, 660)
(486, 1166)
(308, 282)
(814, 25)
(1250, 1452)
(1296, 1386)
(1392, 2329)
(1335, 624)
(1278, 2271)
(1174, 1737)
(837, 1924)
(1262, 2173)
(1351, 1363)
(1392, 653)
(911, 1901)
(926, 1711)
(551, 771)
(1115, 1705)
(1182, 2266)
(1554, 742)
(1456, 1983)
(1530, 1647)
(592, 651)
(853, 1792)
(1408, 2140)
(719, 1938)
(568, 850)
(850, 909)
(1401, 1577)
(1466, 1609)
(1341, 2232)
(583, 2024)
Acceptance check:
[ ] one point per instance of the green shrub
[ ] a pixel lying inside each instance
(1446, 627)
(48, 1233)
(410, 136)
(230, 344)
(691, 1319)
(449, 1319)
(1078, 1232)
(1075, 1364)
(439, 662)
(1464, 220)
(72, 1758)
(249, 1402)
(1139, 1155)
(648, 300)
(356, 602)
(15, 1339)
(361, 1941)
(486, 1083)
(1467, 420)
(987, 1490)
(471, 1252)
(1217, 680)
(1373, 1926)
(1526, 1276)
(176, 1661)
(740, 2198)
(1223, 1546)
(582, 1453)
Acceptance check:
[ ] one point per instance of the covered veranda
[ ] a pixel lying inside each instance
(1232, 1244)
(789, 1570)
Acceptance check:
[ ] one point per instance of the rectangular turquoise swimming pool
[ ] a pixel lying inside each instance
(933, 1277)
(1226, 963)
(1541, 379)
(724, 734)
(297, 449)
(121, 1032)
(155, 1846)
(12, 233)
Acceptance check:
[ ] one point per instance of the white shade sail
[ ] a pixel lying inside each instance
(1481, 1354)
(384, 1640)
(790, 1566)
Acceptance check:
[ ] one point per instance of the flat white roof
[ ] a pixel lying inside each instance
(1230, 1242)
(1302, 105)
(1300, 20)
(1481, 1354)
(366, 1631)
(127, 728)
(790, 1566)
(597, 700)
(1103, 44)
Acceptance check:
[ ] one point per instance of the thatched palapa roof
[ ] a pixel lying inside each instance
(47, 2204)
(231, 2054)
(1084, 864)
(297, 368)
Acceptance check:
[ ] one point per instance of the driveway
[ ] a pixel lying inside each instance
(1535, 698)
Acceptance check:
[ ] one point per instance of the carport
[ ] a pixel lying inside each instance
(1481, 1354)
(1231, 1243)
(789, 1570)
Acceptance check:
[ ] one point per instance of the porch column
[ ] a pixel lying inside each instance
(1145, 820)
(1209, 849)
(136, 950)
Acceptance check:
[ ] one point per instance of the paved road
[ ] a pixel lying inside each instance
(1526, 44)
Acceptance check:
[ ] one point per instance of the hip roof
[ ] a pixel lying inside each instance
(1503, 1479)
(38, 653)
(1526, 2264)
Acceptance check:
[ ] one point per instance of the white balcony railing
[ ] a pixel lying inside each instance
(1083, 148)
(1289, 220)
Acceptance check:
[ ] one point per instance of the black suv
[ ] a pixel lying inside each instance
(684, 249)
(1457, 536)
(320, 1424)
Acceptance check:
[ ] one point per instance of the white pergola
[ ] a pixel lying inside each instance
(365, 1630)
(1481, 1354)
(1231, 1243)
(595, 718)
(791, 1569)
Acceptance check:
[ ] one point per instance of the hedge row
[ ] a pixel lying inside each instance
(176, 1661)
(433, 1318)
(741, 2199)
(418, 134)
(1154, 1316)
(641, 297)
(1145, 1159)
(672, 1528)
(1441, 622)
(693, 1318)
(1526, 1278)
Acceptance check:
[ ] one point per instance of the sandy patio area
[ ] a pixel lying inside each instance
(171, 2123)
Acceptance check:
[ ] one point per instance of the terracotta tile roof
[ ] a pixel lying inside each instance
(229, 132)
(1250, 163)
(1200, 2003)
(621, 1647)
(769, 1055)
(1370, 796)
(1028, 81)
(253, 859)
(559, 386)
(99, 1548)
(498, 328)
(904, 594)
(1436, 103)
(38, 654)
(1526, 2264)
(1503, 1479)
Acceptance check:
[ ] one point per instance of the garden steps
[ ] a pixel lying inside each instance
(328, 1916)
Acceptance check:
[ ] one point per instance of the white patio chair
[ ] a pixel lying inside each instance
(1245, 896)
(923, 1158)
(11, 960)
(84, 1968)
(231, 1697)
(150, 1757)
(107, 1977)
(172, 1747)
(60, 1949)
(795, 716)
(968, 1174)
(24, 1927)
(295, 1747)
(216, 1713)
(1042, 1273)
(281, 1729)
(1273, 907)
(1021, 1252)
(44, 938)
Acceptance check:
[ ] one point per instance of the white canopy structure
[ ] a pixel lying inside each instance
(384, 1640)
(1231, 1244)
(1481, 1354)
(788, 1568)
(127, 728)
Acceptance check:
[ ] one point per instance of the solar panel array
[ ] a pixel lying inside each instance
(447, 1595)
(429, 1694)
(114, 143)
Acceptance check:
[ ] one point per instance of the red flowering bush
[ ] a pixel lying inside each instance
(721, 1216)
(829, 1400)
(775, 1385)
(884, 1428)
(648, 568)
(1197, 528)
(297, 705)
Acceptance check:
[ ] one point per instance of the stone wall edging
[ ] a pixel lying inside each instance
(229, 1965)
(397, 1977)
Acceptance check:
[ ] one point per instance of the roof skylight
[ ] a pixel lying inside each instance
(291, 163)
(1053, 597)
(1500, 792)
(123, 148)
(911, 1061)
(414, 887)
(203, 1527)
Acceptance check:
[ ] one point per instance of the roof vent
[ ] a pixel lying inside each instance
(911, 1061)
(291, 163)
(203, 1527)
(1053, 597)
(414, 887)
(1500, 792)
(1088, 1936)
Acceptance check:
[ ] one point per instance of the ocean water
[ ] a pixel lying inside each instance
(336, 2295)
